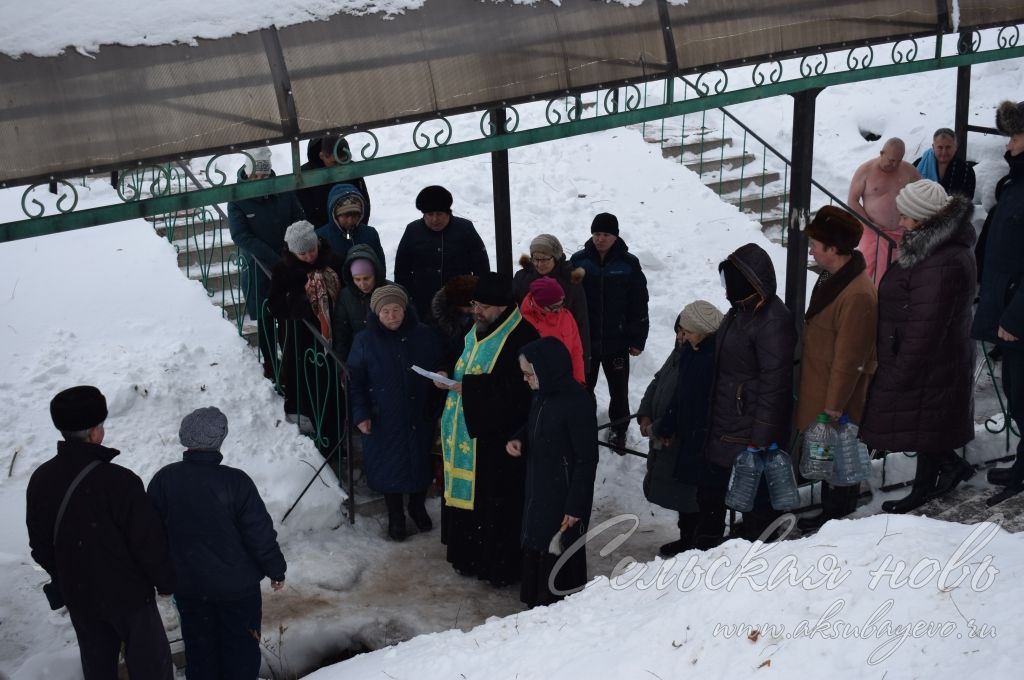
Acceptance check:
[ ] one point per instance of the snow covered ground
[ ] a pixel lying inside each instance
(107, 306)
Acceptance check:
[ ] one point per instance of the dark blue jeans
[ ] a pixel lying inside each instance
(222, 637)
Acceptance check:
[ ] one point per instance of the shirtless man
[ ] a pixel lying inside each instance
(873, 192)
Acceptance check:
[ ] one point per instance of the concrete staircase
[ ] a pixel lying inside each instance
(733, 173)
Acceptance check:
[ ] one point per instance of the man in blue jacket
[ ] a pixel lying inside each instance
(617, 308)
(223, 544)
(437, 248)
(257, 227)
(999, 317)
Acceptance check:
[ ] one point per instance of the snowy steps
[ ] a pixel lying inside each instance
(733, 175)
(966, 505)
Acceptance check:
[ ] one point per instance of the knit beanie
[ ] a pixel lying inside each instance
(1010, 118)
(78, 408)
(386, 295)
(434, 199)
(258, 161)
(348, 205)
(835, 227)
(605, 222)
(494, 289)
(205, 429)
(361, 267)
(546, 291)
(921, 199)
(546, 244)
(701, 317)
(300, 237)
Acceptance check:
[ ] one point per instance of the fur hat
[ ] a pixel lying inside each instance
(701, 317)
(258, 160)
(835, 227)
(459, 290)
(434, 199)
(300, 237)
(205, 428)
(386, 295)
(605, 222)
(78, 408)
(546, 291)
(493, 288)
(921, 199)
(1010, 118)
(546, 244)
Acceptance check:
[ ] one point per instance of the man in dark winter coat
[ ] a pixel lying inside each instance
(1000, 314)
(223, 544)
(361, 274)
(436, 248)
(347, 225)
(257, 227)
(110, 550)
(941, 165)
(547, 258)
(752, 397)
(617, 306)
(922, 396)
(557, 442)
(320, 153)
(452, 316)
(489, 402)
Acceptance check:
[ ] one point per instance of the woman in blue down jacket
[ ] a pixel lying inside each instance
(559, 442)
(394, 408)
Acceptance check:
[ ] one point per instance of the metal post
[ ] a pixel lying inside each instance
(502, 199)
(799, 206)
(963, 98)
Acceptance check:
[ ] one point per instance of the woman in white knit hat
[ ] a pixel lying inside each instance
(921, 397)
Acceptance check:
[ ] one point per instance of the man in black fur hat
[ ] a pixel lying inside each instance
(102, 543)
(1000, 313)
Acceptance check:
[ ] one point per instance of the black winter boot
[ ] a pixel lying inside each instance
(952, 470)
(687, 532)
(396, 516)
(1014, 483)
(999, 476)
(922, 491)
(418, 511)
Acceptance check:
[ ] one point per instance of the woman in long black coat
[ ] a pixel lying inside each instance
(559, 443)
(921, 397)
(394, 408)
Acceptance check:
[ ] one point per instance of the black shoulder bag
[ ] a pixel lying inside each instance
(52, 589)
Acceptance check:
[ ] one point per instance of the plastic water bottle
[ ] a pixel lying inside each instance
(746, 475)
(819, 446)
(850, 466)
(778, 470)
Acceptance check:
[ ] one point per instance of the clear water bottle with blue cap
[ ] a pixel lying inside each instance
(778, 470)
(746, 475)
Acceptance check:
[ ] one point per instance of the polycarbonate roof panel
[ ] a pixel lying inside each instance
(71, 112)
(724, 31)
(989, 12)
(459, 55)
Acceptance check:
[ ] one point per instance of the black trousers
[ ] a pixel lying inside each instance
(1013, 386)
(146, 651)
(616, 373)
(222, 637)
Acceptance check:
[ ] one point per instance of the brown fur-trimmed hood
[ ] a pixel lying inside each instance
(951, 224)
(563, 270)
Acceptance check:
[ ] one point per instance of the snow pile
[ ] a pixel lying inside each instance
(896, 597)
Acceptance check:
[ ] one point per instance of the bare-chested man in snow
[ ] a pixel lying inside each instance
(873, 192)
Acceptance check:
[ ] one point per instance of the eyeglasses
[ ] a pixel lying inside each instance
(475, 304)
(540, 260)
(555, 307)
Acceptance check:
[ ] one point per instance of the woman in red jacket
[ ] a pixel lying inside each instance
(543, 308)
